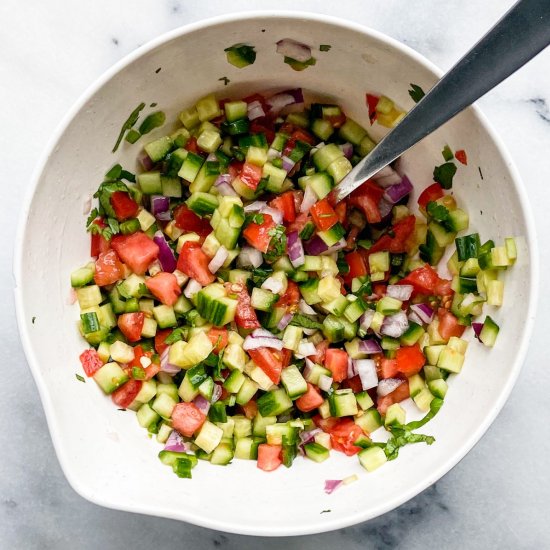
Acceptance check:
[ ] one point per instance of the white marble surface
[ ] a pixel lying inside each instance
(50, 51)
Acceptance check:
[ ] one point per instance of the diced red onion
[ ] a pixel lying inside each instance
(310, 331)
(277, 215)
(255, 110)
(166, 254)
(262, 333)
(414, 318)
(310, 198)
(165, 366)
(306, 349)
(202, 404)
(366, 319)
(424, 311)
(395, 325)
(249, 256)
(296, 50)
(347, 149)
(315, 246)
(145, 161)
(211, 157)
(218, 260)
(288, 164)
(176, 444)
(192, 288)
(325, 382)
(477, 328)
(223, 185)
(335, 247)
(366, 369)
(273, 154)
(332, 484)
(384, 208)
(273, 284)
(295, 249)
(399, 292)
(386, 177)
(387, 385)
(308, 368)
(181, 277)
(285, 320)
(394, 193)
(306, 308)
(255, 206)
(217, 393)
(370, 346)
(309, 436)
(250, 342)
(351, 368)
(160, 205)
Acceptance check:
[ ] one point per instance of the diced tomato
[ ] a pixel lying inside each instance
(321, 348)
(299, 134)
(402, 230)
(138, 354)
(379, 289)
(251, 175)
(372, 102)
(430, 194)
(131, 325)
(310, 400)
(264, 126)
(357, 266)
(234, 168)
(285, 204)
(268, 362)
(286, 357)
(367, 198)
(152, 370)
(269, 457)
(160, 336)
(186, 220)
(291, 296)
(245, 316)
(410, 360)
(400, 393)
(425, 280)
(124, 206)
(387, 368)
(336, 361)
(165, 287)
(192, 146)
(259, 235)
(324, 216)
(460, 155)
(124, 396)
(194, 263)
(341, 210)
(343, 435)
(137, 251)
(98, 243)
(336, 120)
(448, 325)
(187, 418)
(299, 223)
(219, 338)
(91, 362)
(250, 409)
(108, 269)
(326, 424)
(443, 288)
(354, 383)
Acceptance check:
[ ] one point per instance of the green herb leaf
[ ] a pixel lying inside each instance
(80, 378)
(435, 405)
(93, 215)
(307, 231)
(128, 123)
(104, 192)
(175, 336)
(444, 174)
(260, 274)
(305, 322)
(299, 65)
(416, 92)
(152, 121)
(142, 290)
(113, 225)
(255, 217)
(128, 176)
(324, 47)
(277, 245)
(438, 212)
(114, 172)
(240, 55)
(138, 373)
(401, 438)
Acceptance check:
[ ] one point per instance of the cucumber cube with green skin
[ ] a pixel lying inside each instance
(379, 262)
(352, 132)
(309, 291)
(489, 332)
(227, 427)
(209, 140)
(328, 289)
(354, 310)
(292, 337)
(331, 236)
(395, 415)
(169, 388)
(432, 373)
(234, 381)
(442, 237)
(364, 400)
(158, 149)
(164, 405)
(470, 268)
(190, 167)
(222, 454)
(164, 433)
(337, 306)
(121, 352)
(423, 399)
(146, 416)
(293, 382)
(333, 328)
(243, 427)
(170, 457)
(89, 296)
(209, 437)
(150, 183)
(416, 384)
(458, 220)
(511, 249)
(315, 373)
(146, 220)
(262, 299)
(260, 424)
(322, 128)
(274, 402)
(165, 316)
(147, 392)
(432, 353)
(369, 421)
(243, 448)
(246, 391)
(412, 334)
(207, 108)
(495, 293)
(438, 388)
(450, 360)
(342, 404)
(281, 433)
(202, 203)
(321, 183)
(339, 169)
(372, 458)
(316, 452)
(82, 276)
(234, 357)
(388, 305)
(110, 377)
(326, 155)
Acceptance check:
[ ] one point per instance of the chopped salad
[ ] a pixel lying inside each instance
(242, 313)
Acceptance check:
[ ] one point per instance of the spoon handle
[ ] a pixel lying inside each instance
(521, 34)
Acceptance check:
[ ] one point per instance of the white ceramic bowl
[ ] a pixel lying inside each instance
(105, 455)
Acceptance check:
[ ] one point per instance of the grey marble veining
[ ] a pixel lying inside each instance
(497, 497)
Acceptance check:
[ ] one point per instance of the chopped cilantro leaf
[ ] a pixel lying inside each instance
(255, 217)
(437, 211)
(416, 92)
(260, 274)
(114, 172)
(80, 378)
(93, 215)
(128, 123)
(113, 225)
(305, 322)
(277, 246)
(152, 121)
(444, 174)
(402, 437)
(174, 336)
(128, 176)
(324, 47)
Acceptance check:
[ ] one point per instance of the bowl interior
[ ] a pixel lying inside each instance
(107, 457)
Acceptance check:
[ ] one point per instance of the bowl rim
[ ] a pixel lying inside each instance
(326, 524)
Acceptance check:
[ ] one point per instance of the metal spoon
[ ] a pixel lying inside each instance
(520, 35)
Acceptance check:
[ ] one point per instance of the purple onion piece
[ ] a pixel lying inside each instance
(295, 249)
(477, 328)
(166, 255)
(176, 443)
(370, 346)
(315, 246)
(400, 292)
(331, 485)
(284, 322)
(424, 311)
(395, 325)
(394, 193)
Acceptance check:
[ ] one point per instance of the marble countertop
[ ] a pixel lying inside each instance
(50, 51)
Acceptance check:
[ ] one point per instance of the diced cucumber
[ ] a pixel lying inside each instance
(395, 415)
(165, 316)
(342, 403)
(147, 392)
(164, 405)
(388, 305)
(83, 276)
(438, 388)
(416, 384)
(316, 452)
(331, 236)
(146, 416)
(372, 458)
(423, 399)
(121, 352)
(369, 421)
(412, 334)
(244, 448)
(190, 167)
(234, 381)
(222, 454)
(89, 296)
(209, 437)
(450, 360)
(339, 169)
(110, 376)
(263, 300)
(379, 262)
(333, 328)
(352, 132)
(202, 203)
(326, 155)
(328, 289)
(158, 149)
(364, 400)
(149, 183)
(291, 337)
(246, 392)
(489, 332)
(293, 382)
(209, 140)
(274, 402)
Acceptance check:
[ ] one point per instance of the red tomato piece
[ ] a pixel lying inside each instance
(460, 155)
(336, 361)
(357, 266)
(343, 435)
(192, 146)
(341, 210)
(286, 357)
(219, 338)
(354, 383)
(137, 251)
(448, 325)
(387, 368)
(98, 243)
(326, 424)
(250, 409)
(124, 396)
(402, 230)
(366, 198)
(268, 362)
(425, 280)
(138, 354)
(264, 126)
(336, 120)
(245, 316)
(91, 362)
(160, 336)
(324, 216)
(321, 348)
(269, 457)
(194, 263)
(164, 287)
(299, 134)
(291, 296)
(299, 223)
(372, 102)
(187, 418)
(152, 370)
(410, 360)
(108, 269)
(310, 400)
(124, 206)
(186, 220)
(400, 393)
(285, 203)
(131, 325)
(430, 194)
(259, 235)
(251, 175)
